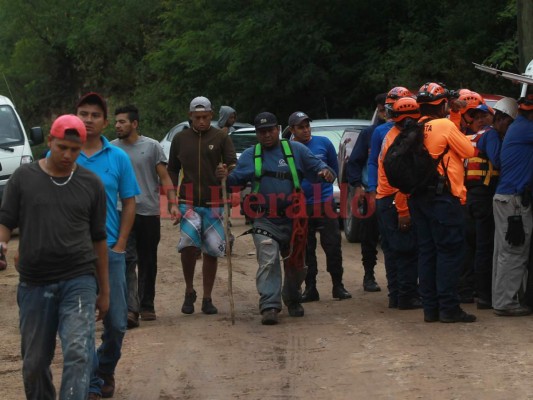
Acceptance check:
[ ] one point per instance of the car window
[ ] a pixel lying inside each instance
(333, 133)
(241, 141)
(10, 130)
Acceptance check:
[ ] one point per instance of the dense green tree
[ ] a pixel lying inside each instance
(327, 58)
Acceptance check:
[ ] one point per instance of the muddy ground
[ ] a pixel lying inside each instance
(350, 349)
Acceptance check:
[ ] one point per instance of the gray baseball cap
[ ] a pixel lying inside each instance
(200, 103)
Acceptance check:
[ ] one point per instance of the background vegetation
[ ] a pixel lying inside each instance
(328, 58)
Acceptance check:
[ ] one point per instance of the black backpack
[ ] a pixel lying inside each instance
(409, 166)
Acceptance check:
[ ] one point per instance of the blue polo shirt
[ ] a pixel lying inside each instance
(516, 157)
(113, 166)
(321, 147)
(375, 148)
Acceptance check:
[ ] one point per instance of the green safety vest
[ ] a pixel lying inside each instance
(289, 158)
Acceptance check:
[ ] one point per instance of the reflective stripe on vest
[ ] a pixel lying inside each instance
(289, 158)
(479, 169)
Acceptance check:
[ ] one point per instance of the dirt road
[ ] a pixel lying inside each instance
(351, 349)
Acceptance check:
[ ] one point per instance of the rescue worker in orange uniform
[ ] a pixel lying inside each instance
(397, 234)
(436, 212)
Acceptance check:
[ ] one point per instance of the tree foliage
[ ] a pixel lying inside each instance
(326, 58)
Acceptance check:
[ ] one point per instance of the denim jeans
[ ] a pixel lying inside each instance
(401, 252)
(440, 233)
(115, 322)
(66, 308)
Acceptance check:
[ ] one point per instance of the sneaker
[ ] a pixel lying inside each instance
(460, 316)
(514, 312)
(133, 320)
(370, 285)
(108, 388)
(296, 310)
(269, 316)
(188, 303)
(310, 294)
(208, 307)
(148, 315)
(339, 292)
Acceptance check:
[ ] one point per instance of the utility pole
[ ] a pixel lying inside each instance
(524, 14)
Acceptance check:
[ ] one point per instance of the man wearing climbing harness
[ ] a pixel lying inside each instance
(276, 168)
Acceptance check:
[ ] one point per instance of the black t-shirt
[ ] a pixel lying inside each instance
(57, 224)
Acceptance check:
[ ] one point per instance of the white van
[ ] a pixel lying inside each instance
(14, 144)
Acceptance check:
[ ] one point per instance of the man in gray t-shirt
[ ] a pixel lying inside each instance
(149, 163)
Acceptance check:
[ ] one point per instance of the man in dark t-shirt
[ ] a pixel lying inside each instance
(60, 210)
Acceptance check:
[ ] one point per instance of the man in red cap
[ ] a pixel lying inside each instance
(61, 270)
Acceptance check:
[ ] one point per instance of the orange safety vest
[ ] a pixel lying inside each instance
(478, 169)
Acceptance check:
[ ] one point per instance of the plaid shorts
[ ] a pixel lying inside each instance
(202, 227)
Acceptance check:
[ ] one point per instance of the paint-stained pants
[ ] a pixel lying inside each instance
(66, 308)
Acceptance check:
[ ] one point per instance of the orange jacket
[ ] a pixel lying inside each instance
(384, 188)
(439, 133)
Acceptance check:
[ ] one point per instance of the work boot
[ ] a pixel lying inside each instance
(310, 294)
(295, 309)
(94, 396)
(108, 388)
(339, 292)
(269, 316)
(409, 304)
(188, 303)
(133, 320)
(370, 284)
(514, 312)
(148, 315)
(208, 307)
(459, 316)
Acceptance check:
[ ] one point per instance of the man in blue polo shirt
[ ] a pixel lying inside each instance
(321, 213)
(512, 215)
(113, 166)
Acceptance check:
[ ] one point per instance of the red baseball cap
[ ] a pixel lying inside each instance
(93, 98)
(67, 122)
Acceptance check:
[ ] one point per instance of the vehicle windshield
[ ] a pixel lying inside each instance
(10, 130)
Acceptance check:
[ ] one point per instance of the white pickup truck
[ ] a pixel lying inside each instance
(14, 143)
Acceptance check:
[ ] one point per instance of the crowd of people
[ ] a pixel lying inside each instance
(89, 220)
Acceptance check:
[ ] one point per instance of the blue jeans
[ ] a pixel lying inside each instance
(401, 252)
(440, 233)
(65, 308)
(115, 322)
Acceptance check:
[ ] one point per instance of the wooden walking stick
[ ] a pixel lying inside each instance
(227, 210)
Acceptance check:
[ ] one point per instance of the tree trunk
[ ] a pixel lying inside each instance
(524, 14)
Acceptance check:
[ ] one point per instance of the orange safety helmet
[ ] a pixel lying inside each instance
(526, 103)
(397, 93)
(431, 93)
(406, 107)
(472, 100)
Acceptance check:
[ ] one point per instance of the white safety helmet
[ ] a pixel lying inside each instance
(508, 106)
